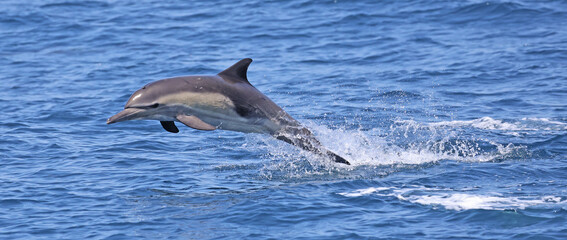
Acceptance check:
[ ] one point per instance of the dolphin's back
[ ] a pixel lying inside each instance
(246, 100)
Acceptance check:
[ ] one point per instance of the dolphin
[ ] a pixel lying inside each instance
(224, 101)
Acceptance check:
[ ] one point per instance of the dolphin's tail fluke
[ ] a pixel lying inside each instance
(303, 138)
(337, 158)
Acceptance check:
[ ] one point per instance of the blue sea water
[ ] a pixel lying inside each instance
(452, 113)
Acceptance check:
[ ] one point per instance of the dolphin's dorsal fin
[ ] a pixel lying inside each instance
(237, 72)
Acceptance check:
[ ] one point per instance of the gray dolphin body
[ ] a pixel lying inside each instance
(224, 101)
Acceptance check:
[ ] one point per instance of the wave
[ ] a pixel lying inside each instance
(401, 94)
(500, 12)
(405, 143)
(410, 144)
(510, 127)
(462, 199)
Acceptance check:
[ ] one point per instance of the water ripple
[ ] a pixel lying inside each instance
(452, 114)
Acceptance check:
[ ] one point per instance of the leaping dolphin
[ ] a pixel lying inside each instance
(224, 101)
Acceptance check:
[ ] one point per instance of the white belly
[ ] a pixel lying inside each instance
(216, 110)
(228, 119)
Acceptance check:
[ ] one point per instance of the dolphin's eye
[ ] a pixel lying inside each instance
(155, 105)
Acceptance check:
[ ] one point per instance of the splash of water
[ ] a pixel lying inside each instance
(404, 144)
(409, 142)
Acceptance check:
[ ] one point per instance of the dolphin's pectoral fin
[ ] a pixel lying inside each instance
(195, 122)
(169, 126)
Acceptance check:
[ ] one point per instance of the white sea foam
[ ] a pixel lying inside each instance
(487, 123)
(546, 124)
(456, 199)
(463, 201)
(525, 125)
(409, 142)
(363, 192)
(406, 144)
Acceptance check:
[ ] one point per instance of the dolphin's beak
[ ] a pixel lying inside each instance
(124, 115)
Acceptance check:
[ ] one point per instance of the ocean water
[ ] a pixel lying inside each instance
(452, 113)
